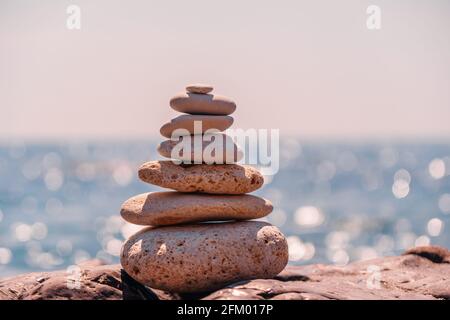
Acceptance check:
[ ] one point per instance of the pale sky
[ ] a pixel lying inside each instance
(310, 68)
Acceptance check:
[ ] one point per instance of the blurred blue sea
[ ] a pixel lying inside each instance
(59, 203)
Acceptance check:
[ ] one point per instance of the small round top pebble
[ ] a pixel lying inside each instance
(199, 88)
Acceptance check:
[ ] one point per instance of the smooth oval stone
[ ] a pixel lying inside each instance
(215, 178)
(199, 88)
(189, 151)
(194, 103)
(168, 208)
(205, 122)
(204, 257)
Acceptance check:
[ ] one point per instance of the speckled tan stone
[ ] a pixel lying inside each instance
(194, 103)
(199, 151)
(168, 208)
(199, 88)
(187, 121)
(204, 257)
(215, 178)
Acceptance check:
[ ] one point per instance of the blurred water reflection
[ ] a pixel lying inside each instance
(59, 204)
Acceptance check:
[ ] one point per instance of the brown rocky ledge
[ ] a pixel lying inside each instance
(420, 273)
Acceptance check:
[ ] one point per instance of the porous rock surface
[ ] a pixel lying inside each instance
(204, 257)
(420, 273)
(218, 179)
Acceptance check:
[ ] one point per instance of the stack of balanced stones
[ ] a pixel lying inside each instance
(198, 237)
